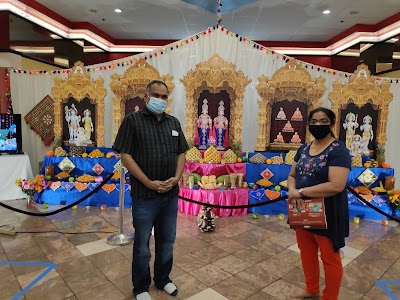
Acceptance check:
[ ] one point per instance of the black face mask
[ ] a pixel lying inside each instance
(319, 131)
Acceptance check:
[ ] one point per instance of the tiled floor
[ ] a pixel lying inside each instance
(244, 258)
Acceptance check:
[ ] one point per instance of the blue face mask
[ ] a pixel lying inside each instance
(157, 105)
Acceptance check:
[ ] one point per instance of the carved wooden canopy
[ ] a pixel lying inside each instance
(79, 85)
(133, 84)
(215, 75)
(362, 88)
(291, 82)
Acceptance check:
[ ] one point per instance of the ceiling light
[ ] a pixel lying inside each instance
(117, 10)
(326, 12)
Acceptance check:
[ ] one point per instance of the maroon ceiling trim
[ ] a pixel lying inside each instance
(88, 26)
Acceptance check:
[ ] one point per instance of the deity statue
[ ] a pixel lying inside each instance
(221, 128)
(81, 139)
(204, 127)
(281, 114)
(296, 138)
(288, 127)
(350, 125)
(88, 124)
(279, 138)
(137, 108)
(297, 116)
(368, 132)
(73, 120)
(356, 146)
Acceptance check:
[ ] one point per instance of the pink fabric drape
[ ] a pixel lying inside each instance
(227, 197)
(214, 169)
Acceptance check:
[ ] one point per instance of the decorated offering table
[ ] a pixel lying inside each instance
(369, 182)
(237, 196)
(84, 175)
(214, 169)
(216, 177)
(356, 208)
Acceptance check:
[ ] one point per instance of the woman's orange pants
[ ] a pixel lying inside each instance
(308, 244)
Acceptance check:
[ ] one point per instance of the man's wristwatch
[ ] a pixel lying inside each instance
(301, 192)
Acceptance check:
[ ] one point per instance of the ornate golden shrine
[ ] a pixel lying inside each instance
(361, 89)
(215, 75)
(291, 82)
(79, 85)
(133, 84)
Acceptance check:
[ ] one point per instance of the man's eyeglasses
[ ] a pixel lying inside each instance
(321, 122)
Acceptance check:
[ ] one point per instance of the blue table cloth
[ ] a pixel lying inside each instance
(63, 197)
(356, 208)
(271, 154)
(84, 166)
(281, 173)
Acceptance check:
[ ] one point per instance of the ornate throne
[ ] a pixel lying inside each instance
(133, 84)
(290, 83)
(80, 87)
(365, 96)
(215, 75)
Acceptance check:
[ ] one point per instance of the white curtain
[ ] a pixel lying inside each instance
(28, 90)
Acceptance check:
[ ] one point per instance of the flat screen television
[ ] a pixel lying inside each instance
(10, 134)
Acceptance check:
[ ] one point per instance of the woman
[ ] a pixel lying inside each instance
(320, 170)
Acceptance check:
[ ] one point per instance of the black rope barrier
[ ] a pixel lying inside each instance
(283, 198)
(372, 206)
(191, 201)
(234, 206)
(95, 190)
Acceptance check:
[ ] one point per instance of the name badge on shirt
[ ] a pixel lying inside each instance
(175, 133)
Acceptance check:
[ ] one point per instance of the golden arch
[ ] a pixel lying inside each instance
(361, 89)
(133, 84)
(215, 75)
(79, 85)
(290, 82)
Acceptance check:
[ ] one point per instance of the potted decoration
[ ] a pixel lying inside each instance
(31, 187)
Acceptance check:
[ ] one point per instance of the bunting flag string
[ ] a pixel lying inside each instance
(219, 12)
(179, 44)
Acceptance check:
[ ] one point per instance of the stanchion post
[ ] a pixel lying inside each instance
(121, 238)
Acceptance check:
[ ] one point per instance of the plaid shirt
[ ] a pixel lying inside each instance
(154, 145)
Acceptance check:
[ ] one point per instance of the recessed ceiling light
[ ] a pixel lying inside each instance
(326, 12)
(117, 10)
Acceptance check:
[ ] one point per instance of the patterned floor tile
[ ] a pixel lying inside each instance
(244, 258)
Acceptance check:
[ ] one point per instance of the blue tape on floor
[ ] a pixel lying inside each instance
(49, 266)
(382, 284)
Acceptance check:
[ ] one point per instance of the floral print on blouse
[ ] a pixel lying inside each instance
(313, 170)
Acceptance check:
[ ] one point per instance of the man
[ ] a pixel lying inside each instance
(152, 147)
